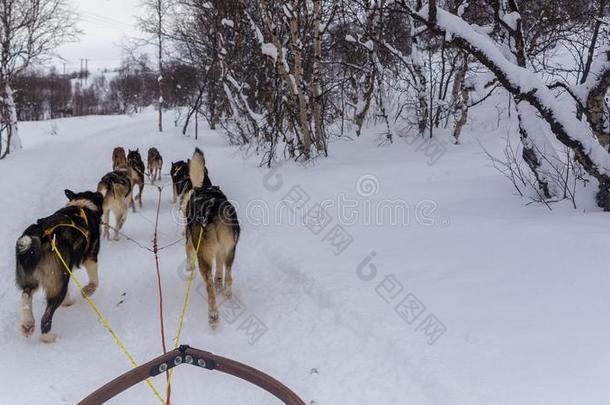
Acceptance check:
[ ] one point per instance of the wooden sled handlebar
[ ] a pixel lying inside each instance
(199, 358)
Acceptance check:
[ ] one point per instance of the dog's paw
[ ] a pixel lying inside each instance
(213, 319)
(228, 293)
(191, 263)
(48, 337)
(89, 289)
(116, 238)
(27, 328)
(68, 301)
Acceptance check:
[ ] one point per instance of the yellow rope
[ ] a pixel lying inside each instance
(103, 320)
(185, 303)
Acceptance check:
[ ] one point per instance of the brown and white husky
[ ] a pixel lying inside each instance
(115, 188)
(212, 231)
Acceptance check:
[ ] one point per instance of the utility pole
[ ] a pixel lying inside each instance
(86, 71)
(80, 74)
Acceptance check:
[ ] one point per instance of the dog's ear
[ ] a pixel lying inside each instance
(70, 194)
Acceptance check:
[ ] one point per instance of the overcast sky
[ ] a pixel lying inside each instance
(105, 24)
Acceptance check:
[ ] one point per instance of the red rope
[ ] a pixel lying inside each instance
(155, 251)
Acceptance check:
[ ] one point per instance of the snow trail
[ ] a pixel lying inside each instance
(501, 277)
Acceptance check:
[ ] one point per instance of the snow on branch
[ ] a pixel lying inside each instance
(524, 84)
(600, 69)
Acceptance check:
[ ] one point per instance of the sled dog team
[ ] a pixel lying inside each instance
(211, 232)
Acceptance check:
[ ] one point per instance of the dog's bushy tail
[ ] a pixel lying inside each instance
(103, 188)
(197, 168)
(107, 185)
(28, 250)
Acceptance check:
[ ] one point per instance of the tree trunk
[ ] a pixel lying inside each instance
(296, 43)
(292, 78)
(537, 151)
(420, 84)
(461, 97)
(596, 108)
(8, 121)
(364, 102)
(160, 79)
(373, 27)
(316, 87)
(596, 78)
(382, 108)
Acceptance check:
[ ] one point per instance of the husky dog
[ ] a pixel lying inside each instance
(115, 188)
(181, 180)
(155, 163)
(119, 159)
(210, 215)
(136, 174)
(76, 232)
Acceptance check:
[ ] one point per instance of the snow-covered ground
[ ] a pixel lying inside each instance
(440, 287)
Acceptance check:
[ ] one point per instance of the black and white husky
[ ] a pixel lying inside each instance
(75, 230)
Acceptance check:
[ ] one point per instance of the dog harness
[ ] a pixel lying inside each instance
(82, 229)
(177, 170)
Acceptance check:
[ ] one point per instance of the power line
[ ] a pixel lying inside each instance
(96, 18)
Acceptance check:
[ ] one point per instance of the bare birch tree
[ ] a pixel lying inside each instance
(317, 77)
(29, 31)
(155, 24)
